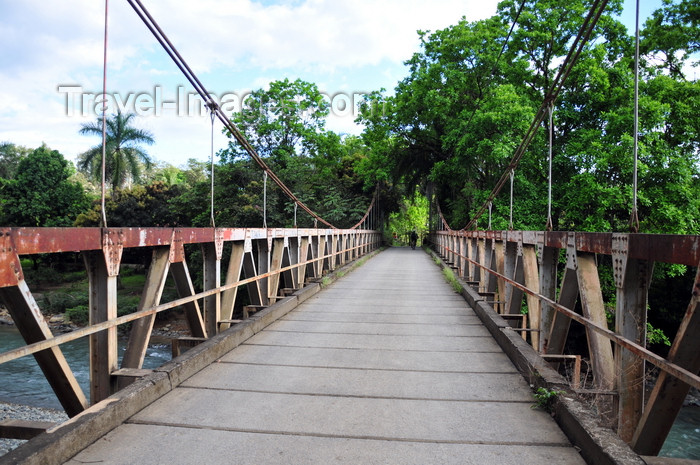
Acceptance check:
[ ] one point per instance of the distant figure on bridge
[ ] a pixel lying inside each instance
(414, 239)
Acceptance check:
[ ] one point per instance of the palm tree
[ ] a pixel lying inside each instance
(123, 156)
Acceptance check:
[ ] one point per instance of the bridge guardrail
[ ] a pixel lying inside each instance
(508, 265)
(265, 261)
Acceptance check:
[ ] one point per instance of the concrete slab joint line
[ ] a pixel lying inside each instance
(597, 445)
(62, 442)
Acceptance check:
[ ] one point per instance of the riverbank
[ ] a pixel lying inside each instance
(26, 412)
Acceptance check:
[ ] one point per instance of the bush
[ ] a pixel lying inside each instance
(59, 302)
(79, 315)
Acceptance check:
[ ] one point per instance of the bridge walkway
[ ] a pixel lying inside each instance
(387, 365)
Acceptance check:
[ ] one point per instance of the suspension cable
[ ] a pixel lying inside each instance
(265, 199)
(549, 226)
(490, 207)
(634, 218)
(211, 114)
(170, 49)
(510, 221)
(104, 119)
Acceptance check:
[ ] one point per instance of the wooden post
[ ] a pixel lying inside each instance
(313, 255)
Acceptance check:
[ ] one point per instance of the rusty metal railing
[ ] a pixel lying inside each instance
(264, 261)
(510, 265)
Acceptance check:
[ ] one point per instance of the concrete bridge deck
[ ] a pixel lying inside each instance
(387, 365)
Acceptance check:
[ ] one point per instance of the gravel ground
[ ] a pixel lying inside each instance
(25, 412)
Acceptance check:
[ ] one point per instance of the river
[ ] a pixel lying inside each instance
(22, 382)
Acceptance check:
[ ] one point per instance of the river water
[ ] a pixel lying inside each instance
(22, 382)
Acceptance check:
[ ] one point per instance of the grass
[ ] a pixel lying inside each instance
(452, 280)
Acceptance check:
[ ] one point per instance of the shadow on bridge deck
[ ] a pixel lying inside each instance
(387, 365)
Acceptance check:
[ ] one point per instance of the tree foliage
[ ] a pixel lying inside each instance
(10, 156)
(41, 193)
(457, 118)
(286, 126)
(124, 157)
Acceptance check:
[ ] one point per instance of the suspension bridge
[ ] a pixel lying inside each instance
(317, 346)
(387, 362)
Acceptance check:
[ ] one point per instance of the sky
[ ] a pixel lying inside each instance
(51, 56)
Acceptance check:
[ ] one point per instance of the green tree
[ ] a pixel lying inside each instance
(282, 121)
(285, 124)
(670, 36)
(10, 156)
(124, 156)
(139, 206)
(458, 116)
(41, 193)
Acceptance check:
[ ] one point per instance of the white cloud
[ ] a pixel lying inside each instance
(318, 33)
(236, 45)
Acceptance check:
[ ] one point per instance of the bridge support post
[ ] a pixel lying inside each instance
(481, 254)
(342, 246)
(532, 281)
(500, 252)
(273, 282)
(304, 255)
(103, 306)
(489, 282)
(667, 397)
(568, 295)
(291, 249)
(514, 270)
(254, 288)
(141, 329)
(598, 346)
(632, 279)
(314, 248)
(294, 259)
(548, 260)
(463, 263)
(474, 271)
(211, 254)
(264, 247)
(233, 274)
